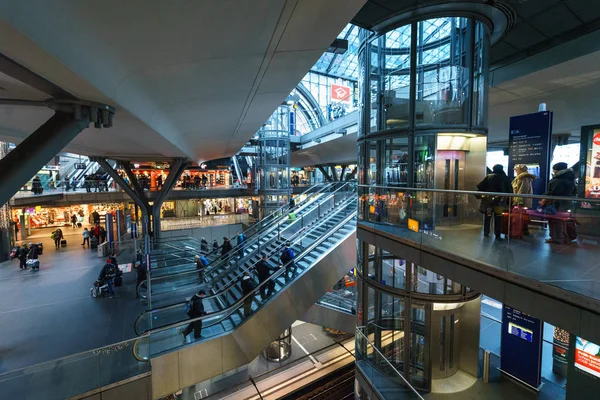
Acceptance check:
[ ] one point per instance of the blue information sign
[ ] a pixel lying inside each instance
(521, 346)
(529, 143)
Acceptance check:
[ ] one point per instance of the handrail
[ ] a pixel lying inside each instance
(360, 333)
(233, 252)
(232, 308)
(478, 193)
(244, 270)
(263, 221)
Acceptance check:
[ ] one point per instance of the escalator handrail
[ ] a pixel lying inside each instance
(234, 251)
(274, 276)
(299, 235)
(320, 186)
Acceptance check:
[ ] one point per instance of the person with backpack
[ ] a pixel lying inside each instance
(287, 257)
(264, 270)
(195, 310)
(248, 287)
(241, 238)
(201, 265)
(108, 274)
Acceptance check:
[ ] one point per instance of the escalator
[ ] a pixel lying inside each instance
(232, 339)
(175, 274)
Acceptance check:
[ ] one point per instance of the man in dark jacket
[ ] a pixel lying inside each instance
(226, 248)
(287, 256)
(203, 246)
(215, 245)
(498, 182)
(196, 310)
(561, 184)
(263, 270)
(22, 255)
(241, 238)
(108, 274)
(248, 287)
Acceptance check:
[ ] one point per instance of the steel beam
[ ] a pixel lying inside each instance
(325, 173)
(343, 172)
(352, 173)
(333, 173)
(142, 202)
(18, 166)
(177, 168)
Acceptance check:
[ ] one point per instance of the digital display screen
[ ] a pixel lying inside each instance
(521, 332)
(587, 357)
(592, 179)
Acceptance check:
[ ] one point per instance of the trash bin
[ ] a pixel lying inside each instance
(103, 250)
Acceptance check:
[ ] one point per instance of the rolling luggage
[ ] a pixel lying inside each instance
(118, 280)
(518, 221)
(79, 225)
(562, 231)
(93, 243)
(63, 243)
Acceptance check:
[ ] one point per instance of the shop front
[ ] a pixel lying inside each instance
(205, 207)
(49, 217)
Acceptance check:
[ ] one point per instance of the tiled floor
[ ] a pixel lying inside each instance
(49, 314)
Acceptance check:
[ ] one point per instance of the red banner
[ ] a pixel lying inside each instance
(587, 362)
(340, 93)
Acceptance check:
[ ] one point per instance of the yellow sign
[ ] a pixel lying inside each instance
(38, 209)
(413, 225)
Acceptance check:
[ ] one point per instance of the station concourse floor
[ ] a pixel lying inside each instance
(50, 313)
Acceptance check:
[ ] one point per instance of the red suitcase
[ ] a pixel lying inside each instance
(518, 219)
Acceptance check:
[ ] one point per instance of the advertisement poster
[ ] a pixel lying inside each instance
(587, 357)
(521, 346)
(592, 179)
(529, 144)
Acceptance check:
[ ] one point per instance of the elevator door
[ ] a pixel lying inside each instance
(445, 335)
(450, 175)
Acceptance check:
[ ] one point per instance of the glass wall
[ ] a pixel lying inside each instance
(399, 306)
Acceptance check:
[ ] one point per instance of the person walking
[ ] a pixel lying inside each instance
(57, 236)
(86, 237)
(241, 238)
(248, 287)
(264, 270)
(74, 221)
(287, 259)
(493, 206)
(196, 310)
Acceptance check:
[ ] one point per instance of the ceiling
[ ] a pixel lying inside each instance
(188, 78)
(535, 25)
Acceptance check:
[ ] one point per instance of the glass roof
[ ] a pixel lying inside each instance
(342, 65)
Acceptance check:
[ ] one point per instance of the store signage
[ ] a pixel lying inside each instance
(413, 225)
(529, 144)
(340, 93)
(587, 357)
(79, 165)
(521, 346)
(52, 167)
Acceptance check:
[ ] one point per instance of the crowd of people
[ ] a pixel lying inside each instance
(263, 270)
(494, 207)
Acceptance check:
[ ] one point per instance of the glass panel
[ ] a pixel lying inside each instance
(372, 162)
(395, 59)
(396, 162)
(443, 72)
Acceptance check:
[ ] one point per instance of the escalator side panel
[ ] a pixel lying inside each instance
(329, 318)
(196, 363)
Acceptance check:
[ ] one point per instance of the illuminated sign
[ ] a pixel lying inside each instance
(79, 165)
(521, 332)
(340, 93)
(592, 179)
(413, 225)
(587, 357)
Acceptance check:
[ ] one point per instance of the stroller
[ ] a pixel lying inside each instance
(14, 252)
(99, 288)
